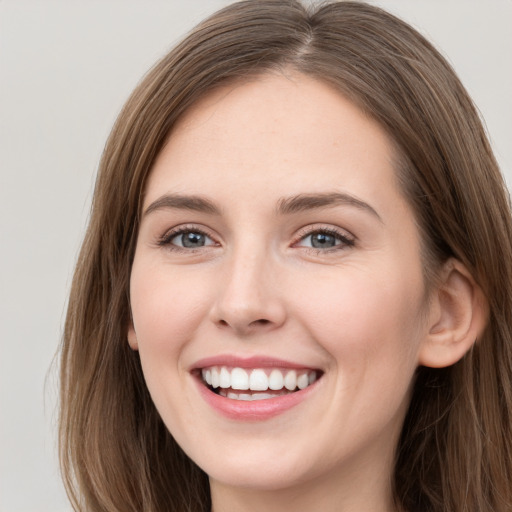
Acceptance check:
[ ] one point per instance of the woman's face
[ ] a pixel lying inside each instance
(276, 249)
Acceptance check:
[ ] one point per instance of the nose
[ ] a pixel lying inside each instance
(249, 299)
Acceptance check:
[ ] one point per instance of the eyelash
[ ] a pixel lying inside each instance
(345, 240)
(166, 239)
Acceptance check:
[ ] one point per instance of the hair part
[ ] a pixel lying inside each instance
(455, 451)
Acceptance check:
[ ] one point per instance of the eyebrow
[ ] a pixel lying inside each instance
(181, 202)
(285, 206)
(304, 202)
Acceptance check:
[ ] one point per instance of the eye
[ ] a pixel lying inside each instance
(325, 239)
(187, 239)
(191, 240)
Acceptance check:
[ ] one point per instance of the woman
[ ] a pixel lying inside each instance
(295, 286)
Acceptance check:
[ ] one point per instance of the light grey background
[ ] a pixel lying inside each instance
(66, 68)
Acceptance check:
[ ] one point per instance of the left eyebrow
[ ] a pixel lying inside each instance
(303, 202)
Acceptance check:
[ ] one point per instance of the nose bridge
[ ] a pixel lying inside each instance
(248, 298)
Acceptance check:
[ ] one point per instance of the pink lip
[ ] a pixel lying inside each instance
(256, 410)
(248, 362)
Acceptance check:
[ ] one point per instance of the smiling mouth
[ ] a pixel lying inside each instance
(258, 383)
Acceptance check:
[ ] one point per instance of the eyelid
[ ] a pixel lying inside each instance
(165, 239)
(346, 238)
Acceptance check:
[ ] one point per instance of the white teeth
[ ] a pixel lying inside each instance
(302, 381)
(262, 396)
(239, 379)
(224, 378)
(215, 377)
(246, 396)
(290, 381)
(258, 379)
(207, 376)
(276, 380)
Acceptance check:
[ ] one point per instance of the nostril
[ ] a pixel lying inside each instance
(261, 321)
(244, 321)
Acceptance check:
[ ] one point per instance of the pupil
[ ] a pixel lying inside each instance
(322, 240)
(192, 240)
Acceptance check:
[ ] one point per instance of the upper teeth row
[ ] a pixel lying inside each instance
(257, 379)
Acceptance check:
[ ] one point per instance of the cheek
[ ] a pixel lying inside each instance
(167, 308)
(366, 320)
(372, 330)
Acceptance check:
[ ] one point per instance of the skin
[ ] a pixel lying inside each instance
(357, 311)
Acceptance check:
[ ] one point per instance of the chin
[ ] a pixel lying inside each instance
(258, 477)
(258, 471)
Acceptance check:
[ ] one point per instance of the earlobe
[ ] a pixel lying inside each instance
(458, 315)
(132, 337)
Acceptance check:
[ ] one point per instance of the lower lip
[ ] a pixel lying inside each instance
(253, 410)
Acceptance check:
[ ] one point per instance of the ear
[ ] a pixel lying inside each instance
(457, 317)
(132, 337)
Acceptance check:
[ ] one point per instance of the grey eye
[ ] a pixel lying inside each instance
(191, 240)
(323, 240)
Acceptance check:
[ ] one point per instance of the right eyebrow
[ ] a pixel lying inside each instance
(182, 202)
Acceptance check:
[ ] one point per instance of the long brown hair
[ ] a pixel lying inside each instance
(455, 451)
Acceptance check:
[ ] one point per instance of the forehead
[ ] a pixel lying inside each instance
(289, 130)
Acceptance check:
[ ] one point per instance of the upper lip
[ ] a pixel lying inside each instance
(249, 362)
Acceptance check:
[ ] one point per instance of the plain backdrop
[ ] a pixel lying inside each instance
(66, 67)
